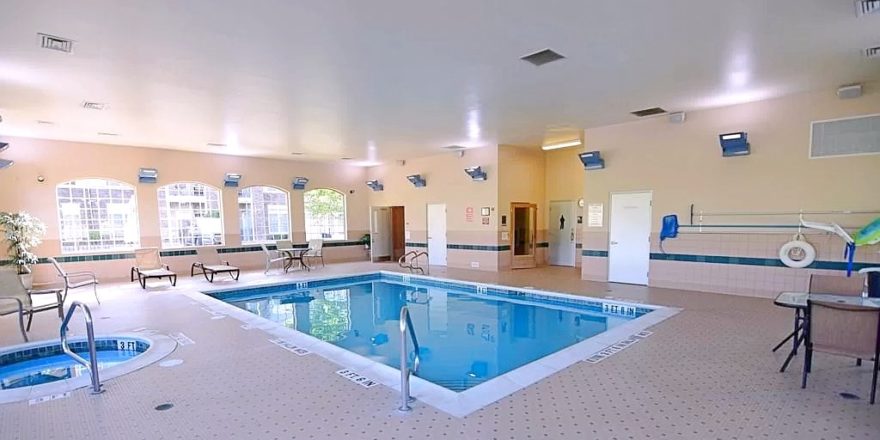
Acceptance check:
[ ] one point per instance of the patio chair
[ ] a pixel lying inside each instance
(210, 265)
(75, 280)
(837, 285)
(316, 246)
(272, 259)
(148, 264)
(843, 330)
(14, 298)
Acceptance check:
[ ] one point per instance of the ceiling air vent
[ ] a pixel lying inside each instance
(865, 7)
(94, 105)
(873, 52)
(56, 43)
(845, 137)
(542, 57)
(649, 112)
(453, 147)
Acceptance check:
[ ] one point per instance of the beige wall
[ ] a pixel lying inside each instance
(62, 161)
(446, 183)
(682, 164)
(521, 179)
(564, 180)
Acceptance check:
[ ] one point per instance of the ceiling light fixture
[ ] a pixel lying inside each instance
(559, 145)
(6, 163)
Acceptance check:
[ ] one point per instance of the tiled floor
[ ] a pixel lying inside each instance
(705, 373)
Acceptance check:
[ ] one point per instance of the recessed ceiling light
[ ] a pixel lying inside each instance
(542, 57)
(91, 105)
(649, 112)
(296, 153)
(346, 158)
(52, 42)
(105, 133)
(558, 145)
(216, 144)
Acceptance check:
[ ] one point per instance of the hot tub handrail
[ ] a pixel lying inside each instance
(405, 372)
(92, 363)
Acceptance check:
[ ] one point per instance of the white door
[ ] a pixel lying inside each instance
(561, 231)
(380, 233)
(437, 235)
(629, 246)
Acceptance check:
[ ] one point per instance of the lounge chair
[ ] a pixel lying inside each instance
(843, 330)
(75, 280)
(272, 259)
(14, 298)
(316, 247)
(148, 264)
(210, 265)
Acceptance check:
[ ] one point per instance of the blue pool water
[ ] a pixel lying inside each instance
(467, 336)
(45, 365)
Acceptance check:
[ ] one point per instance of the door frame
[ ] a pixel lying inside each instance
(530, 260)
(574, 226)
(610, 222)
(444, 251)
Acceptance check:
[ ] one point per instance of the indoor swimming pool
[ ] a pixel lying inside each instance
(469, 333)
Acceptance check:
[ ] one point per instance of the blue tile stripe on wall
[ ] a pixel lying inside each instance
(466, 247)
(745, 261)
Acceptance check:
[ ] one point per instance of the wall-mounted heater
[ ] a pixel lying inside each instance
(231, 180)
(299, 183)
(592, 160)
(375, 185)
(148, 175)
(3, 146)
(477, 174)
(734, 144)
(6, 163)
(417, 180)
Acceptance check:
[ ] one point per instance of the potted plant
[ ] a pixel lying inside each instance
(366, 241)
(23, 232)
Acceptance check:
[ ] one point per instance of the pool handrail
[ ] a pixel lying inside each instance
(405, 371)
(92, 363)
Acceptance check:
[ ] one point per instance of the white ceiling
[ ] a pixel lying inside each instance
(382, 80)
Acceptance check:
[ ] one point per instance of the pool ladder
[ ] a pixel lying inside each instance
(413, 263)
(406, 326)
(92, 363)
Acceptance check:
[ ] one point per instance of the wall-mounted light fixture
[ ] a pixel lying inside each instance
(417, 180)
(559, 145)
(6, 163)
(148, 175)
(477, 174)
(592, 160)
(299, 183)
(734, 144)
(3, 146)
(231, 180)
(375, 185)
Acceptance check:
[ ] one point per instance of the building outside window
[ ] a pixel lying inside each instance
(265, 214)
(97, 215)
(190, 215)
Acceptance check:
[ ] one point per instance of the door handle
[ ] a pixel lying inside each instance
(613, 242)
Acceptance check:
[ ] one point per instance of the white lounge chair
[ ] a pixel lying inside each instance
(14, 298)
(316, 250)
(75, 280)
(210, 265)
(148, 264)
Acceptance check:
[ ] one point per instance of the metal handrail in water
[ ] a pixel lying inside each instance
(413, 264)
(406, 323)
(402, 260)
(92, 363)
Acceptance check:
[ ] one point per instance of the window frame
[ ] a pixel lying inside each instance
(59, 218)
(253, 222)
(219, 209)
(344, 215)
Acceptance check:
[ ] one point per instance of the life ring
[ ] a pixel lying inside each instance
(797, 254)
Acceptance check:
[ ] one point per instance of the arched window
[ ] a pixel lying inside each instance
(190, 215)
(325, 214)
(265, 214)
(97, 215)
